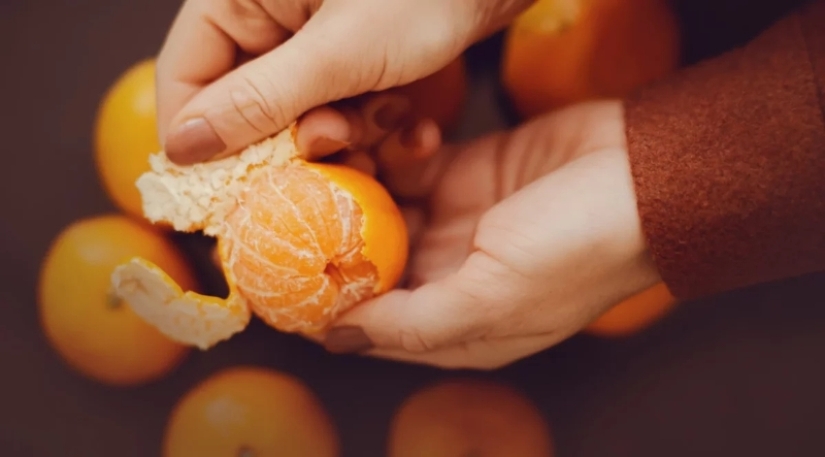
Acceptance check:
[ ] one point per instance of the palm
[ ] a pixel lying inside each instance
(478, 176)
(462, 194)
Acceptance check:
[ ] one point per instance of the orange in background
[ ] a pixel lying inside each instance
(125, 134)
(467, 417)
(250, 412)
(440, 96)
(560, 52)
(634, 314)
(94, 331)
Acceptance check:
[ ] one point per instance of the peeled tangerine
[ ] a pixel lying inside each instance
(299, 242)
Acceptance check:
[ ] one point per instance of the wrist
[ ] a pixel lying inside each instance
(604, 131)
(635, 269)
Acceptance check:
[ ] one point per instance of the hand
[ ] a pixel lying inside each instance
(233, 72)
(531, 235)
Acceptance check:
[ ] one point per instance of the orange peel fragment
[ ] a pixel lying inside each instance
(299, 242)
(192, 318)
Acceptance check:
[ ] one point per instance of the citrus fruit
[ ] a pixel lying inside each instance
(634, 314)
(250, 412)
(441, 95)
(125, 134)
(559, 52)
(469, 417)
(93, 330)
(299, 242)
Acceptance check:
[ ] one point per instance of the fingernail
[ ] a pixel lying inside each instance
(347, 339)
(324, 145)
(194, 141)
(423, 138)
(389, 116)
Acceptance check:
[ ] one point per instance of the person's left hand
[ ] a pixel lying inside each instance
(530, 235)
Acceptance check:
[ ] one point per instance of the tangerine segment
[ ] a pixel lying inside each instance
(298, 245)
(187, 317)
(384, 230)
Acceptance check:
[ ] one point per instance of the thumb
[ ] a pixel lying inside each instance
(264, 95)
(460, 307)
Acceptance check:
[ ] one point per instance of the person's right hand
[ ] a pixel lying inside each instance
(233, 72)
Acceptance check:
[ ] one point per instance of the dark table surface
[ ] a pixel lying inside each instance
(740, 374)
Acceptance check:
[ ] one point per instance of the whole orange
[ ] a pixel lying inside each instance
(464, 417)
(560, 52)
(93, 331)
(125, 135)
(441, 95)
(634, 314)
(250, 412)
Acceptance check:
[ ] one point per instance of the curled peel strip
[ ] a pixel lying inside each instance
(186, 317)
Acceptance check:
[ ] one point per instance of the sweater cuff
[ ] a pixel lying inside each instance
(728, 160)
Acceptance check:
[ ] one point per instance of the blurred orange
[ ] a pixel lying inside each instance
(440, 96)
(93, 331)
(469, 417)
(126, 134)
(250, 412)
(634, 314)
(564, 51)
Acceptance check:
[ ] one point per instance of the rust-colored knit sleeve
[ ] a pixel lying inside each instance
(728, 159)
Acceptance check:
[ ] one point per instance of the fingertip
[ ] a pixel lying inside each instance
(427, 138)
(322, 131)
(347, 339)
(193, 141)
(347, 335)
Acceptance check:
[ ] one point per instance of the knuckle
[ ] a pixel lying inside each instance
(415, 342)
(254, 102)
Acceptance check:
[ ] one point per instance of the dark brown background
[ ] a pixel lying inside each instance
(740, 374)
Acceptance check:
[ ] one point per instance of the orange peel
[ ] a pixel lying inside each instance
(299, 243)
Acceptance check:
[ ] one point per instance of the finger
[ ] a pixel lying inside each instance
(382, 114)
(407, 158)
(410, 145)
(434, 315)
(325, 130)
(361, 123)
(481, 354)
(222, 28)
(265, 95)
